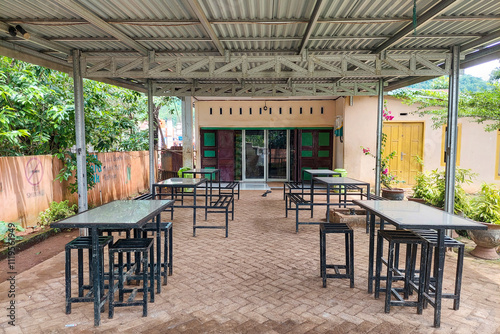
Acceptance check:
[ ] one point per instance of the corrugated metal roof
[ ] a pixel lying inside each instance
(247, 27)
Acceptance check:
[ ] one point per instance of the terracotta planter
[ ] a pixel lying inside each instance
(394, 194)
(486, 241)
(414, 199)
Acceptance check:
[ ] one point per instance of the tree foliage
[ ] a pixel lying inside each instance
(467, 83)
(37, 114)
(481, 106)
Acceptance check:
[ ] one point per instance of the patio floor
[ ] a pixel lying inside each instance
(264, 278)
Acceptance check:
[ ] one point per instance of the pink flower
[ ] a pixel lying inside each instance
(366, 150)
(385, 171)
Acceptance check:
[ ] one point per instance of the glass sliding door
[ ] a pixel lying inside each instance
(277, 154)
(255, 155)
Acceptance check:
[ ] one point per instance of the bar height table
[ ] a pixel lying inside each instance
(203, 172)
(413, 215)
(177, 182)
(114, 215)
(340, 183)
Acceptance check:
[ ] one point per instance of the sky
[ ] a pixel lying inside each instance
(483, 71)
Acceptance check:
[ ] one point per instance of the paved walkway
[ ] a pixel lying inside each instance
(264, 278)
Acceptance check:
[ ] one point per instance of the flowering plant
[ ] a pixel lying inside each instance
(386, 177)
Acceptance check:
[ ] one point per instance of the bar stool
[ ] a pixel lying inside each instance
(412, 240)
(431, 237)
(81, 243)
(349, 252)
(142, 246)
(167, 263)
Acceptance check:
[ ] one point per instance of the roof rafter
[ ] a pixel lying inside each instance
(312, 22)
(79, 10)
(195, 5)
(421, 20)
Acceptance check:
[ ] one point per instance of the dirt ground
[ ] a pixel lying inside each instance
(38, 253)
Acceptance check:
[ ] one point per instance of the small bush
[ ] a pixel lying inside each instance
(56, 211)
(7, 230)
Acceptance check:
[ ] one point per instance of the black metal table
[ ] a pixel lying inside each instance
(176, 183)
(114, 215)
(413, 215)
(203, 172)
(341, 185)
(318, 172)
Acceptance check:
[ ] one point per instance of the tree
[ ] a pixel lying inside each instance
(467, 83)
(37, 114)
(495, 75)
(482, 106)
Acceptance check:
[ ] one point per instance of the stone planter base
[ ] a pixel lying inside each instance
(486, 241)
(394, 194)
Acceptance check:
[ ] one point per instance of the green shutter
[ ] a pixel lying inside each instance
(209, 139)
(324, 139)
(323, 154)
(209, 154)
(307, 139)
(307, 153)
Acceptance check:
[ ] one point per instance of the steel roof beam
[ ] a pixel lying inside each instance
(195, 5)
(480, 41)
(312, 22)
(95, 20)
(276, 21)
(421, 20)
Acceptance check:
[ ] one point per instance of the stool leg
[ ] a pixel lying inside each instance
(68, 280)
(296, 218)
(120, 276)
(165, 256)
(421, 282)
(388, 283)
(351, 257)
(378, 265)
(145, 288)
(170, 250)
(152, 278)
(80, 272)
(227, 221)
(458, 277)
(322, 239)
(111, 293)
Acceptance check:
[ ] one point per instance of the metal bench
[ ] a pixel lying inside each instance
(230, 186)
(292, 186)
(300, 204)
(219, 204)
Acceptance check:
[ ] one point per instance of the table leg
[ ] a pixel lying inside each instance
(158, 258)
(96, 275)
(194, 211)
(439, 277)
(370, 253)
(327, 203)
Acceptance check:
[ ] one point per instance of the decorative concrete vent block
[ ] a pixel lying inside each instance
(343, 215)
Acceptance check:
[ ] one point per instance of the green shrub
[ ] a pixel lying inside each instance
(486, 206)
(56, 211)
(9, 229)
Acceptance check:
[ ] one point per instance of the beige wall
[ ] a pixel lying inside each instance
(203, 119)
(27, 184)
(478, 149)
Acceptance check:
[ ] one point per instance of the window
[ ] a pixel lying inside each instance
(459, 142)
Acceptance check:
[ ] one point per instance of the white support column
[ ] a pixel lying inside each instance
(151, 125)
(187, 132)
(451, 132)
(380, 109)
(81, 151)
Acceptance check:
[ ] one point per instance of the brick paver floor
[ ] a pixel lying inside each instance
(264, 278)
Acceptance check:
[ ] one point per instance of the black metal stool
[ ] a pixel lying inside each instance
(398, 237)
(81, 243)
(167, 263)
(141, 246)
(431, 237)
(349, 252)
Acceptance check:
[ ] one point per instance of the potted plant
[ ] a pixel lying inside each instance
(424, 189)
(387, 178)
(486, 210)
